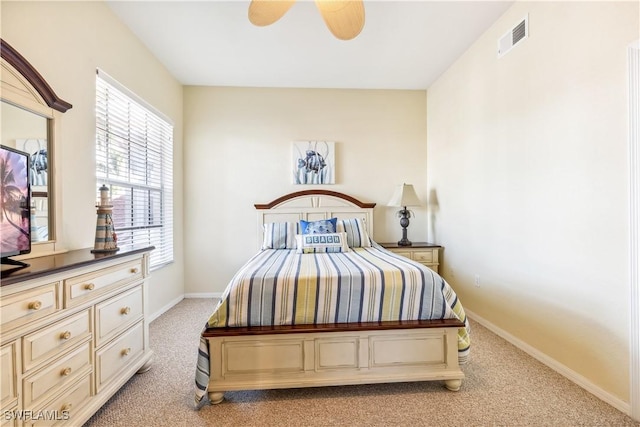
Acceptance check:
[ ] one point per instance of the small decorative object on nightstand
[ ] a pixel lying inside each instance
(422, 252)
(404, 196)
(106, 240)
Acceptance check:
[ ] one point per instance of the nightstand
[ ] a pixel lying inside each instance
(422, 252)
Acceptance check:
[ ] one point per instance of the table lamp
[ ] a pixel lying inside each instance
(405, 195)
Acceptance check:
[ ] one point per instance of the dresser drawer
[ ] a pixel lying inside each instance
(118, 355)
(424, 256)
(54, 339)
(81, 288)
(117, 313)
(8, 380)
(405, 254)
(57, 374)
(424, 253)
(66, 405)
(27, 306)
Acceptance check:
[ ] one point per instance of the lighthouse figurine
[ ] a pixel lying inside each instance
(106, 239)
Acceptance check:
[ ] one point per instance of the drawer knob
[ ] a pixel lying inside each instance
(35, 305)
(135, 270)
(65, 372)
(65, 335)
(89, 286)
(126, 351)
(125, 310)
(66, 407)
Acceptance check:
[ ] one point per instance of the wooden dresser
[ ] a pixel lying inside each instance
(74, 328)
(422, 252)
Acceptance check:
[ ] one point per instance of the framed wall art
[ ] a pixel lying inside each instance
(313, 162)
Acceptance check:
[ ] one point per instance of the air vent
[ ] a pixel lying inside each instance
(513, 37)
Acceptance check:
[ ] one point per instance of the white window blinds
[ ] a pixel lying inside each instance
(134, 158)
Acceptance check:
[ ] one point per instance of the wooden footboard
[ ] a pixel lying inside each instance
(328, 355)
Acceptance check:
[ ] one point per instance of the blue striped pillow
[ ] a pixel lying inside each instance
(280, 235)
(357, 236)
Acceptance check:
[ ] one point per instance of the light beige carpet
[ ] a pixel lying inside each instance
(503, 387)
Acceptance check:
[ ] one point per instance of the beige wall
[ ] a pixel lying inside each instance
(66, 42)
(239, 153)
(528, 155)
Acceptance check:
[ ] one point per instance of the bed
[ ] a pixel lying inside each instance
(329, 308)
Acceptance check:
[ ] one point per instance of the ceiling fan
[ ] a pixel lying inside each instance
(345, 19)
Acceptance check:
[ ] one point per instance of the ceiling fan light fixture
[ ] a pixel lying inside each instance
(266, 12)
(345, 19)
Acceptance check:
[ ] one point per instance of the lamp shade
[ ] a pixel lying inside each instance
(405, 195)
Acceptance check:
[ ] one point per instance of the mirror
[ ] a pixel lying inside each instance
(28, 113)
(28, 132)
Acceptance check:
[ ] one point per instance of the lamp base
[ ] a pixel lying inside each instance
(404, 242)
(404, 223)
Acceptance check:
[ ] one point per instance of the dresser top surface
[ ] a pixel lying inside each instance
(42, 266)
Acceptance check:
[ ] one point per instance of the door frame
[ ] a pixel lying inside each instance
(634, 225)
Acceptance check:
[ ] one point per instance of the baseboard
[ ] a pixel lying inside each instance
(165, 308)
(563, 370)
(204, 295)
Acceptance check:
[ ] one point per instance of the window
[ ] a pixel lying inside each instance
(134, 159)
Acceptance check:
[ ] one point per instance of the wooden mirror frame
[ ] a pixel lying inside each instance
(23, 66)
(32, 93)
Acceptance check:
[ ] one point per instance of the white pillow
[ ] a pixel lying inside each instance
(329, 242)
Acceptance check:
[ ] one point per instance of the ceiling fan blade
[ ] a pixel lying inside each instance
(266, 12)
(345, 19)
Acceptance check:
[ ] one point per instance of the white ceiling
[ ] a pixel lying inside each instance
(404, 44)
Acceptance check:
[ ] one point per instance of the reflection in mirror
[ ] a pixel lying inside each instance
(28, 132)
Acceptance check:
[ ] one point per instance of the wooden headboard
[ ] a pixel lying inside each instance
(313, 205)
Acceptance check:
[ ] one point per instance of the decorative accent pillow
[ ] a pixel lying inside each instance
(328, 242)
(280, 235)
(356, 231)
(322, 226)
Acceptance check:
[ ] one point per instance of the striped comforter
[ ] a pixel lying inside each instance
(282, 287)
